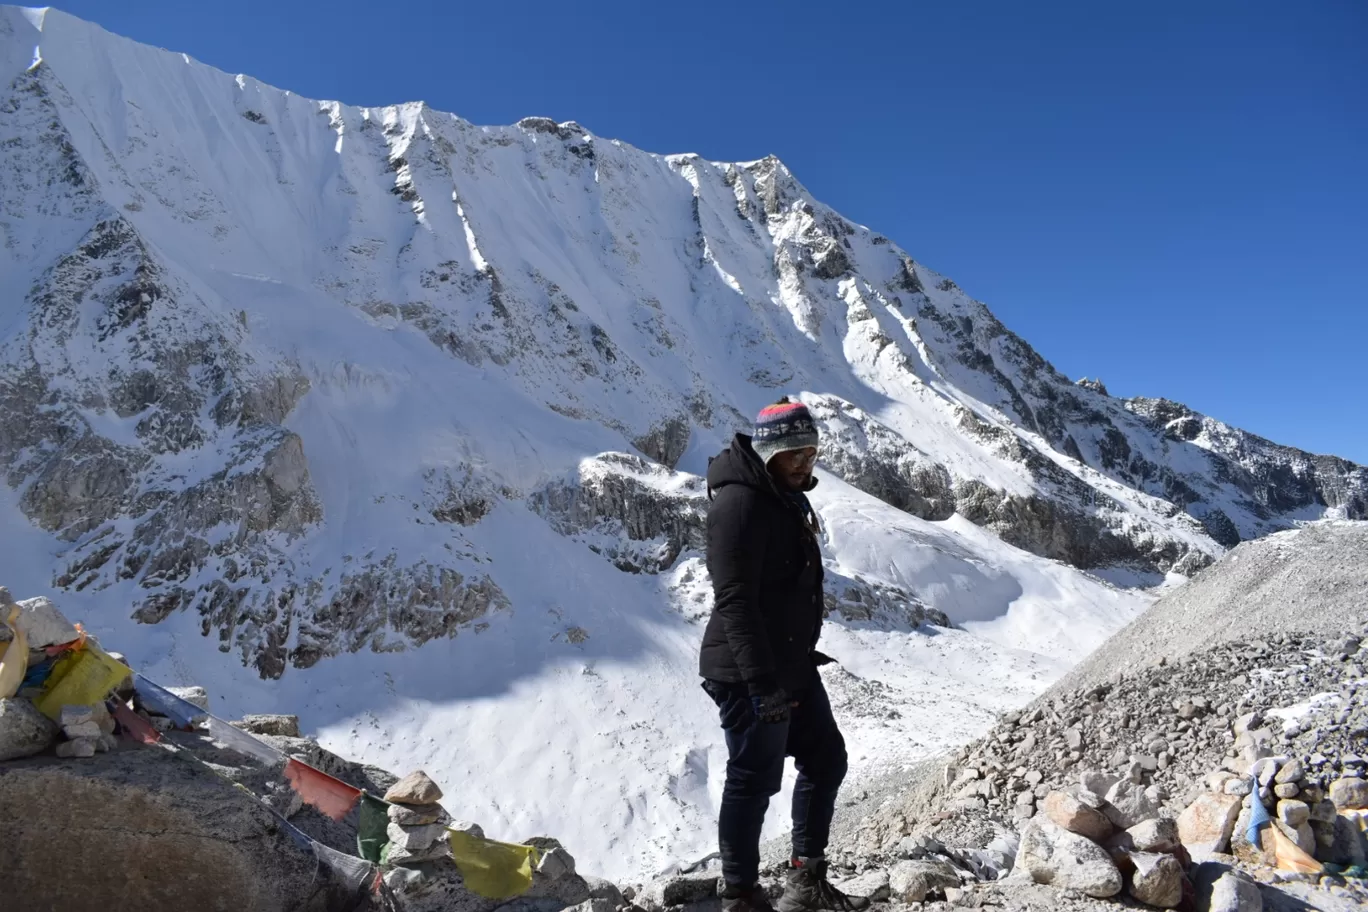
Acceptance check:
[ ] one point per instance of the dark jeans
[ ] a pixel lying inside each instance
(755, 770)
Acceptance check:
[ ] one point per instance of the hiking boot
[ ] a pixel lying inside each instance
(807, 890)
(745, 899)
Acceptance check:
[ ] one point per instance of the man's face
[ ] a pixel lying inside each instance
(792, 469)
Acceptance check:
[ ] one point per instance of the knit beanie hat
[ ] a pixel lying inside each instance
(781, 427)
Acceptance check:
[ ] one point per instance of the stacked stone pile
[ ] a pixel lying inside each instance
(88, 730)
(417, 827)
(1171, 724)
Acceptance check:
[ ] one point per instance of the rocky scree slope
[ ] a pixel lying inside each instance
(169, 390)
(1154, 739)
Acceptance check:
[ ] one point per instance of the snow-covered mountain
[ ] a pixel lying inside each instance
(398, 421)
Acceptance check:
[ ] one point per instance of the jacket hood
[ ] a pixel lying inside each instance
(739, 464)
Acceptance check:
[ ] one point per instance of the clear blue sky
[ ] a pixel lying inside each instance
(1170, 195)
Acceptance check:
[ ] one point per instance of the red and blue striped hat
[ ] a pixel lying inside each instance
(783, 426)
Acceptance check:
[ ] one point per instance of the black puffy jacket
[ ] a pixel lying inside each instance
(766, 569)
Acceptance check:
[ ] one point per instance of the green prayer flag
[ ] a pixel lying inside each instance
(371, 828)
(494, 870)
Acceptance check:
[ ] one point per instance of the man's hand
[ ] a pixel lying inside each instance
(820, 658)
(772, 707)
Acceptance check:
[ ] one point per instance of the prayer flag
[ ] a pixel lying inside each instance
(494, 870)
(134, 725)
(236, 739)
(82, 678)
(331, 796)
(372, 827)
(182, 712)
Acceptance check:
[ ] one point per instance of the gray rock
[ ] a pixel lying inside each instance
(260, 724)
(24, 731)
(415, 838)
(873, 885)
(605, 890)
(1129, 804)
(415, 788)
(418, 815)
(1349, 794)
(1052, 855)
(1097, 782)
(210, 839)
(1235, 894)
(87, 729)
(75, 715)
(556, 863)
(1286, 790)
(1157, 879)
(1076, 817)
(1291, 772)
(1159, 834)
(914, 881)
(1205, 826)
(1293, 813)
(681, 890)
(43, 624)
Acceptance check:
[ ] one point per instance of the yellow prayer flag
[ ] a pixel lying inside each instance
(82, 678)
(494, 870)
(14, 664)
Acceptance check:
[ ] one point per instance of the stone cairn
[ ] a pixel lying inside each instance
(417, 823)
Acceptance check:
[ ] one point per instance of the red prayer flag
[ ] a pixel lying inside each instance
(134, 725)
(331, 796)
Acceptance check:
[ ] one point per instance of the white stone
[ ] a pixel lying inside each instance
(24, 731)
(872, 885)
(1157, 880)
(418, 815)
(913, 881)
(1205, 826)
(75, 715)
(1235, 894)
(1050, 854)
(87, 729)
(81, 747)
(43, 624)
(415, 838)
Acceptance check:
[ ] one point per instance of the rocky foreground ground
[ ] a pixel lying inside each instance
(1135, 789)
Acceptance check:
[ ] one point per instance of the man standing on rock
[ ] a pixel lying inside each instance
(759, 661)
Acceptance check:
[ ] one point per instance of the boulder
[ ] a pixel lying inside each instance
(1157, 835)
(284, 726)
(415, 788)
(1291, 772)
(77, 831)
(1157, 879)
(1076, 817)
(197, 696)
(1052, 855)
(872, 885)
(681, 890)
(1205, 826)
(1294, 813)
(24, 731)
(1128, 803)
(1235, 894)
(556, 864)
(1349, 794)
(913, 881)
(43, 624)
